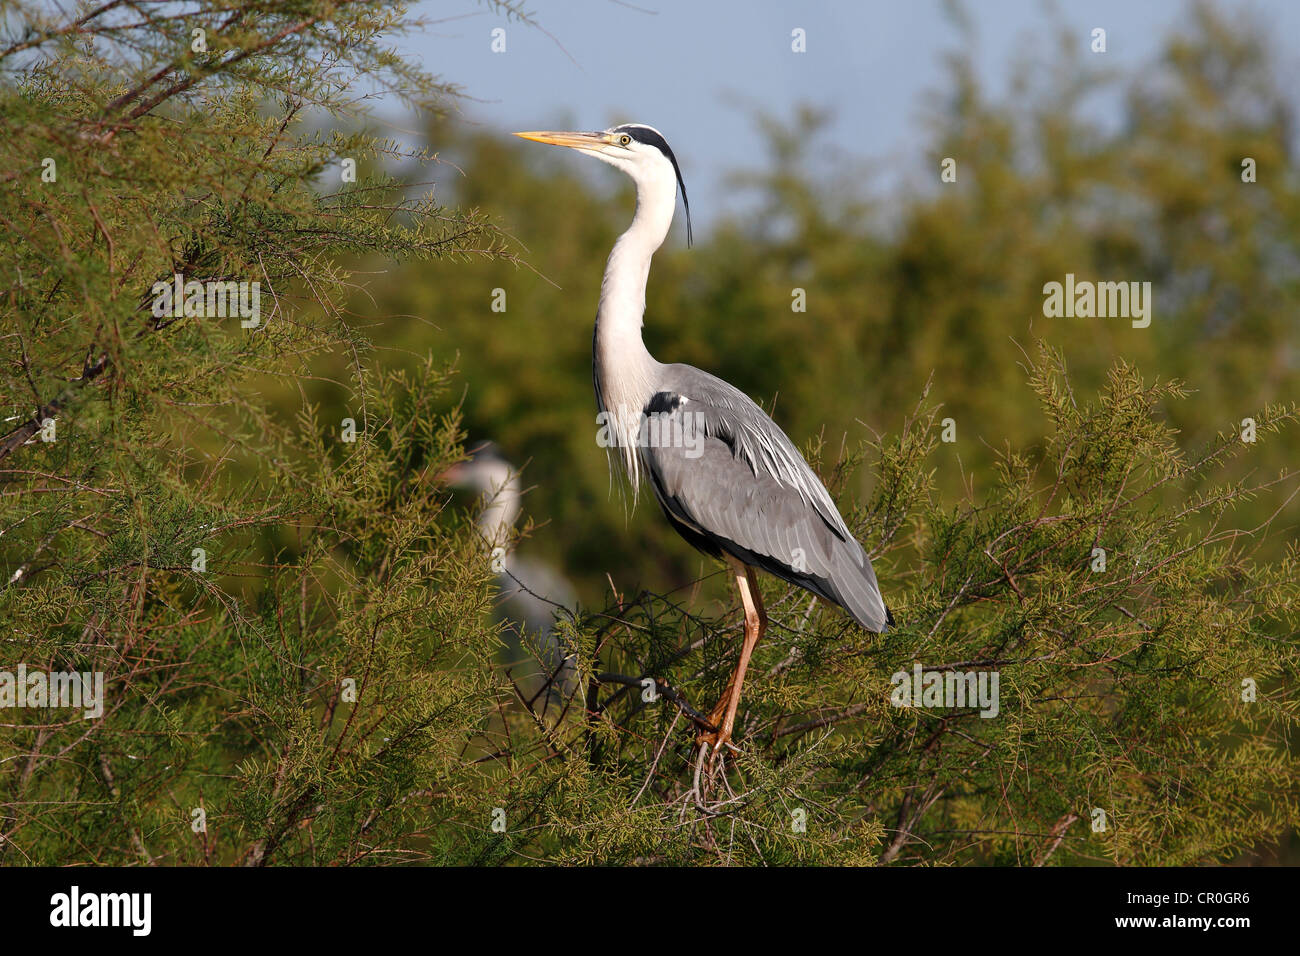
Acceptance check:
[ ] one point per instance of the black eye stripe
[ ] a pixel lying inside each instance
(649, 137)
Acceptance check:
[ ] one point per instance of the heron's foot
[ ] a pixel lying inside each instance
(712, 749)
(708, 742)
(709, 774)
(716, 732)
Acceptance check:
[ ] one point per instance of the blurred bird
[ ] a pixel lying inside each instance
(529, 593)
(728, 479)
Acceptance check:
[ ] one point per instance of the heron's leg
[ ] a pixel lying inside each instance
(724, 715)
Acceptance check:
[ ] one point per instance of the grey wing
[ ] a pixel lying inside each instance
(730, 481)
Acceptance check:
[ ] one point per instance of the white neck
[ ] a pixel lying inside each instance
(497, 520)
(624, 369)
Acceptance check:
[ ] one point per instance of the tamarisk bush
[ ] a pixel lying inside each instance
(1144, 703)
(224, 499)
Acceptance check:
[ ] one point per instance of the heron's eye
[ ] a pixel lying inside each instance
(625, 140)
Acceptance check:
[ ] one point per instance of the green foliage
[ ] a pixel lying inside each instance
(226, 562)
(324, 685)
(1120, 689)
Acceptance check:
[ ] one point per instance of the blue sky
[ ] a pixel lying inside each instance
(688, 67)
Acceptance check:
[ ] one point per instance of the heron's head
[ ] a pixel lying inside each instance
(639, 150)
(486, 471)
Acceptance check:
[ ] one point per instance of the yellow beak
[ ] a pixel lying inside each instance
(572, 140)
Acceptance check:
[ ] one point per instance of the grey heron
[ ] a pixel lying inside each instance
(726, 476)
(529, 593)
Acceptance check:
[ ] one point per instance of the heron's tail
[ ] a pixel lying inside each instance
(847, 580)
(852, 583)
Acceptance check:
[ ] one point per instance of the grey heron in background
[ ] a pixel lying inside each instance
(742, 491)
(529, 593)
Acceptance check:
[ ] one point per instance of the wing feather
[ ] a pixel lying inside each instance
(731, 481)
